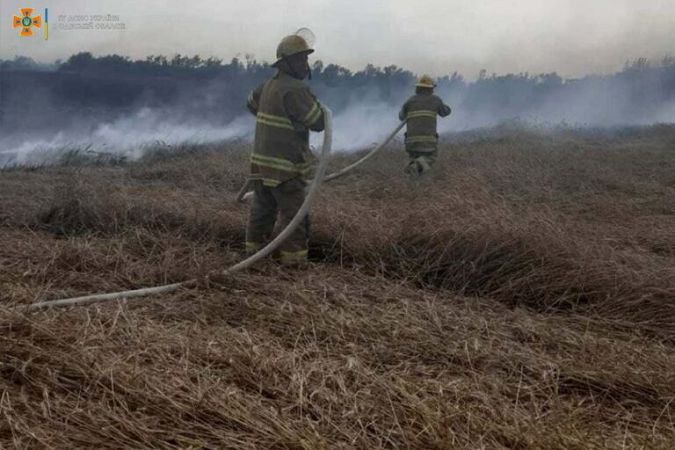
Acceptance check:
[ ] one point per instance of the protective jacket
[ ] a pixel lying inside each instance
(285, 111)
(420, 112)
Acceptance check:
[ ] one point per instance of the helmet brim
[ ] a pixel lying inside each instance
(309, 51)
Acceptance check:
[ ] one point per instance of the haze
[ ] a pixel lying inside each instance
(572, 37)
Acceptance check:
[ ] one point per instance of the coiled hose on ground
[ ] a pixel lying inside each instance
(246, 263)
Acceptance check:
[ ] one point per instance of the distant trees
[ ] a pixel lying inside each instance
(25, 63)
(158, 65)
(217, 89)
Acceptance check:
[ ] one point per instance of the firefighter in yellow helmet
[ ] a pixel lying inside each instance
(286, 111)
(421, 138)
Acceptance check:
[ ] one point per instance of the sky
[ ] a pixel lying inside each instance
(571, 37)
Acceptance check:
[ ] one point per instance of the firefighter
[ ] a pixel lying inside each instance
(421, 138)
(286, 111)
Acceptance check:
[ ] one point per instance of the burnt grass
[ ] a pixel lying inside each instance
(522, 295)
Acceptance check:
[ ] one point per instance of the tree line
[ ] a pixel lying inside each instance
(216, 90)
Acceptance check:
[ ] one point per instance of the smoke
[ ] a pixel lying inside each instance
(129, 136)
(149, 126)
(364, 111)
(361, 125)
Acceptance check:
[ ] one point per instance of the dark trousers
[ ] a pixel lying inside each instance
(273, 208)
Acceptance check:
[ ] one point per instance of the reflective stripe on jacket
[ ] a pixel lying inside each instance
(285, 111)
(420, 112)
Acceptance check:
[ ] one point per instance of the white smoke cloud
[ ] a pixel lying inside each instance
(360, 126)
(129, 136)
(364, 123)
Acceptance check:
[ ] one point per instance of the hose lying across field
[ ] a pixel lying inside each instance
(248, 262)
(243, 195)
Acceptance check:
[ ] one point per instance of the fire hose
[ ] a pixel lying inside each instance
(246, 263)
(243, 195)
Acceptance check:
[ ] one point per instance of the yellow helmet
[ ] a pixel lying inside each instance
(292, 45)
(425, 81)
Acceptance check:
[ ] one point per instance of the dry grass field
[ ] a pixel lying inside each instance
(521, 296)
